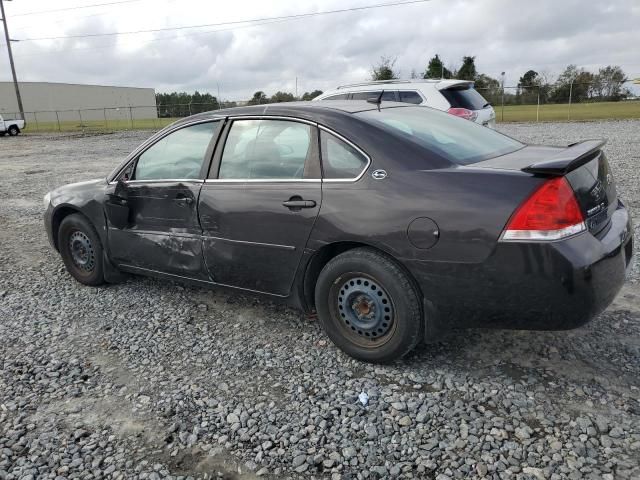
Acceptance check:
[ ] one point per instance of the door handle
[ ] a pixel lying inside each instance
(182, 200)
(295, 204)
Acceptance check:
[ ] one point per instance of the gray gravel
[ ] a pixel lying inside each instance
(149, 379)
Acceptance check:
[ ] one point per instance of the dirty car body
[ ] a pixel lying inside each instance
(308, 202)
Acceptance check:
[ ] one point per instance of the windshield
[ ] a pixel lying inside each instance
(459, 141)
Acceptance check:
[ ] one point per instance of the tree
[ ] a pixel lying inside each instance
(384, 69)
(181, 104)
(608, 83)
(282, 97)
(529, 79)
(311, 95)
(468, 69)
(573, 82)
(529, 86)
(489, 88)
(258, 98)
(436, 69)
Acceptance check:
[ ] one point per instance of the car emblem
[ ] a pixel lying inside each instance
(379, 174)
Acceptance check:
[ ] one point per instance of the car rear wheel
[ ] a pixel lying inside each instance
(81, 249)
(368, 306)
(13, 130)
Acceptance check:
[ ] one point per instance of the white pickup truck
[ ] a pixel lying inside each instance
(12, 127)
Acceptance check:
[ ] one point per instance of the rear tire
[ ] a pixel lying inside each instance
(368, 306)
(81, 249)
(13, 130)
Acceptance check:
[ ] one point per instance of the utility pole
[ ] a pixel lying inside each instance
(502, 81)
(13, 68)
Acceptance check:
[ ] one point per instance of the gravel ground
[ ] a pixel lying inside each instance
(151, 379)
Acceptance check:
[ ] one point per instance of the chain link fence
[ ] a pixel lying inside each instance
(573, 101)
(577, 101)
(112, 118)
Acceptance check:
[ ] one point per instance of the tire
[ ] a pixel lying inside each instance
(81, 249)
(368, 306)
(13, 130)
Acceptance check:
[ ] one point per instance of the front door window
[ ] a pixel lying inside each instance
(179, 155)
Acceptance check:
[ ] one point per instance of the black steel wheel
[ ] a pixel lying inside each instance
(81, 249)
(368, 306)
(13, 130)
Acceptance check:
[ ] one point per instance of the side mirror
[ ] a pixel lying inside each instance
(117, 206)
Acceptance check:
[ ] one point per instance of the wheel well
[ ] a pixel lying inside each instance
(58, 216)
(328, 252)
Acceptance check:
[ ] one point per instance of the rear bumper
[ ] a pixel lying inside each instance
(533, 286)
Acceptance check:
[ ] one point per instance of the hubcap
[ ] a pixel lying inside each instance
(82, 252)
(365, 308)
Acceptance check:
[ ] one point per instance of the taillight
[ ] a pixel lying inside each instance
(463, 113)
(551, 213)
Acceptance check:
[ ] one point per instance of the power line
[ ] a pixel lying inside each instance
(150, 40)
(236, 22)
(74, 8)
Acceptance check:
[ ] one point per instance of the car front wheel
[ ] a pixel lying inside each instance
(81, 249)
(368, 306)
(13, 131)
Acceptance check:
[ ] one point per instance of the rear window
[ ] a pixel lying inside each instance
(459, 141)
(467, 97)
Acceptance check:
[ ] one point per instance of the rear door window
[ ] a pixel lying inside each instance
(387, 95)
(467, 97)
(341, 96)
(410, 97)
(266, 149)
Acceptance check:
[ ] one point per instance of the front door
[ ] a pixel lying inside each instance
(160, 194)
(259, 207)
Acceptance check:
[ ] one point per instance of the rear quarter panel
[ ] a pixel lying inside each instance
(469, 206)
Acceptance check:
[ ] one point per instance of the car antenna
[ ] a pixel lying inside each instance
(377, 100)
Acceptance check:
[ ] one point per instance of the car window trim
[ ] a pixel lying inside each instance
(351, 144)
(135, 155)
(217, 157)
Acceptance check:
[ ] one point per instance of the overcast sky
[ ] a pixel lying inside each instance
(323, 51)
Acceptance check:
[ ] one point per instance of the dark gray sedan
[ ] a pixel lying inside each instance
(390, 221)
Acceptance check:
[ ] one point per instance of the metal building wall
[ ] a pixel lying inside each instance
(87, 102)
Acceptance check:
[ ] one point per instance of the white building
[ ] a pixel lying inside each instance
(49, 102)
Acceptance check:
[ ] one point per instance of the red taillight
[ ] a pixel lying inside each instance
(463, 113)
(551, 213)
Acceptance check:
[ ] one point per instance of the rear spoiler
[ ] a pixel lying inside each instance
(572, 157)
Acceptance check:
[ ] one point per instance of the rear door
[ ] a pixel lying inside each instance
(259, 205)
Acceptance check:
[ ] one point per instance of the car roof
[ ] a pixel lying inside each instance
(305, 110)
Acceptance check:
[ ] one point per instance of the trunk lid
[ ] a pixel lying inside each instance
(585, 167)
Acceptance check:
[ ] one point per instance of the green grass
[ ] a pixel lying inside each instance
(578, 111)
(98, 125)
(512, 113)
